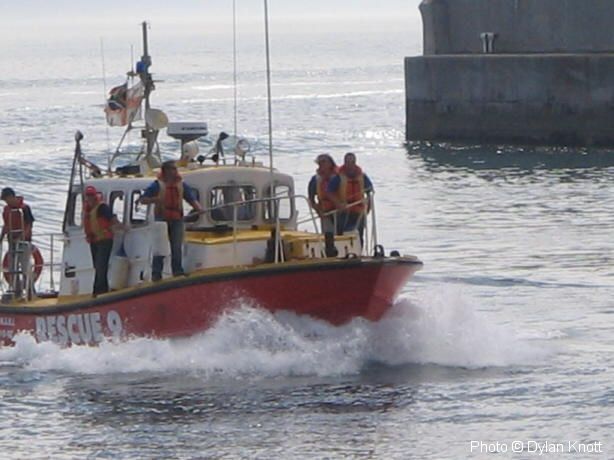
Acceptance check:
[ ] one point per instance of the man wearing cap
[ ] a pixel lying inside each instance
(167, 194)
(98, 223)
(351, 192)
(321, 202)
(18, 222)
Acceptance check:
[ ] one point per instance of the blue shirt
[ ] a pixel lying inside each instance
(312, 188)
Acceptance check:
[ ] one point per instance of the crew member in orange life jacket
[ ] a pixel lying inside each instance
(98, 223)
(167, 194)
(17, 216)
(18, 222)
(351, 185)
(321, 202)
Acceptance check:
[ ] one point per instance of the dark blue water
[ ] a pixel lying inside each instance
(506, 335)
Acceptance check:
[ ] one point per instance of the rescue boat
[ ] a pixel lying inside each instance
(247, 247)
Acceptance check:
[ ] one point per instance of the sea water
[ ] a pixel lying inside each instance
(500, 346)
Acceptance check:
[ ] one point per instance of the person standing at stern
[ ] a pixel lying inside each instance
(167, 194)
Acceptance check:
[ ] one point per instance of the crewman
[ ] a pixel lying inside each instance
(99, 223)
(167, 194)
(18, 223)
(351, 192)
(322, 203)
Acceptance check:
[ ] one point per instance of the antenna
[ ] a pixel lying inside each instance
(234, 59)
(104, 98)
(268, 81)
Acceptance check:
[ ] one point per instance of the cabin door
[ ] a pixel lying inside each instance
(77, 268)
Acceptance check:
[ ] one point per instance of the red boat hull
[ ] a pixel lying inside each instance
(333, 291)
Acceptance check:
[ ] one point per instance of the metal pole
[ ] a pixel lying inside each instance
(51, 264)
(234, 60)
(268, 80)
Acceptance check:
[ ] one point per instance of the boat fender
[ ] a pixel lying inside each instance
(37, 266)
(379, 251)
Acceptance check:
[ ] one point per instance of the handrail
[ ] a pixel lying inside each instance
(47, 242)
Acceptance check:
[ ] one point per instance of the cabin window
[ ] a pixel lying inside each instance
(116, 203)
(284, 203)
(138, 211)
(75, 210)
(223, 199)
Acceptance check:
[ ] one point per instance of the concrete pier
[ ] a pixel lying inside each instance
(514, 71)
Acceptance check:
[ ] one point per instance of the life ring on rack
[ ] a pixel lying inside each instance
(37, 267)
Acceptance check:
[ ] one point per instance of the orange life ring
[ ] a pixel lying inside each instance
(37, 267)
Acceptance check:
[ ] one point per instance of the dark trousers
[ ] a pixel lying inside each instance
(348, 221)
(101, 253)
(175, 237)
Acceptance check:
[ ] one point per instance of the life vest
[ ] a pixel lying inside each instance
(352, 189)
(171, 205)
(96, 228)
(326, 204)
(14, 221)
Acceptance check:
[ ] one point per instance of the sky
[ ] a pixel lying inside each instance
(26, 18)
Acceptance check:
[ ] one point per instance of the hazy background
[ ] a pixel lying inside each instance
(30, 18)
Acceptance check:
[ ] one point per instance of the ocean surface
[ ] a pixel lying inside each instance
(505, 336)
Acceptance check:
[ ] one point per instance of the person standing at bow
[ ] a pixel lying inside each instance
(99, 223)
(167, 194)
(18, 223)
(320, 200)
(351, 192)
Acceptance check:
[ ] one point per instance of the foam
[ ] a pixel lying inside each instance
(440, 328)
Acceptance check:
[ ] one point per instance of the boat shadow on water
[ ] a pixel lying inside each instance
(573, 163)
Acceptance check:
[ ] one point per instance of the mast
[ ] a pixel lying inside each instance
(150, 134)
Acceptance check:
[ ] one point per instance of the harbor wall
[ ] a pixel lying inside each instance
(521, 26)
(526, 99)
(547, 78)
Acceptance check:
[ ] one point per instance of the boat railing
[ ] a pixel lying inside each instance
(370, 231)
(370, 235)
(45, 264)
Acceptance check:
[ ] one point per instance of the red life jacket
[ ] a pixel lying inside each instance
(352, 189)
(326, 204)
(97, 228)
(171, 207)
(14, 221)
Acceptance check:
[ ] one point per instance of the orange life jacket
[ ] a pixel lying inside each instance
(326, 204)
(14, 222)
(352, 189)
(171, 207)
(96, 228)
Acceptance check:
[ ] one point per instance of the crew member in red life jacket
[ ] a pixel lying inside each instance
(99, 223)
(321, 201)
(18, 222)
(350, 190)
(167, 194)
